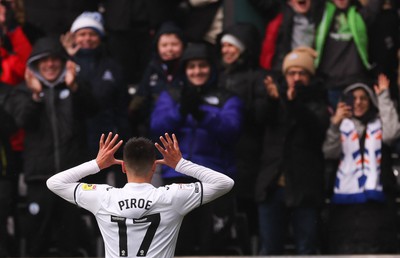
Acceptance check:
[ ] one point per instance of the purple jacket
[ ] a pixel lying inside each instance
(209, 142)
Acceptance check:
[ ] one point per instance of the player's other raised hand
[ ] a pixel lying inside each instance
(171, 152)
(105, 157)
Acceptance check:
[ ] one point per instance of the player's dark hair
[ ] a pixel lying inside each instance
(139, 155)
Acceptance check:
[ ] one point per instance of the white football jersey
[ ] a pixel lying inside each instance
(129, 217)
(140, 220)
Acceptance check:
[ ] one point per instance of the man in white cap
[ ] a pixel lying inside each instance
(84, 43)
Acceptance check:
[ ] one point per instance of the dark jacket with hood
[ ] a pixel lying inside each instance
(294, 132)
(207, 120)
(158, 76)
(104, 76)
(243, 78)
(54, 126)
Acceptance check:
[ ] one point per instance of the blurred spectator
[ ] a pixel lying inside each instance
(14, 52)
(361, 131)
(239, 45)
(53, 18)
(384, 39)
(342, 44)
(84, 43)
(207, 120)
(130, 26)
(50, 107)
(161, 73)
(289, 187)
(15, 46)
(8, 172)
(211, 15)
(291, 24)
(215, 16)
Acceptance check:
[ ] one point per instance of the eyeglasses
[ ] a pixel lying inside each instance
(301, 73)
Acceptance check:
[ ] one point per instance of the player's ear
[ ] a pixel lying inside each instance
(123, 167)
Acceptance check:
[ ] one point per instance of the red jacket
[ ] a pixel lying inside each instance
(269, 42)
(13, 69)
(13, 63)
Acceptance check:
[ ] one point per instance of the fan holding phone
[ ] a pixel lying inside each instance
(362, 130)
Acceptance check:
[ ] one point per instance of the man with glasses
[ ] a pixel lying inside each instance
(294, 115)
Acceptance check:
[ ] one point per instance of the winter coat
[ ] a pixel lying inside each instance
(332, 146)
(108, 87)
(157, 77)
(13, 63)
(54, 126)
(243, 78)
(209, 141)
(293, 135)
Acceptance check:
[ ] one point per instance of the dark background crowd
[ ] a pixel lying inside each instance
(296, 100)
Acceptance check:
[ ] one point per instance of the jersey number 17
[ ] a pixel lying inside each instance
(153, 220)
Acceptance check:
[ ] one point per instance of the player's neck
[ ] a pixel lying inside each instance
(136, 179)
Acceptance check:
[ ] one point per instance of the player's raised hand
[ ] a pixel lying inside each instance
(108, 147)
(171, 152)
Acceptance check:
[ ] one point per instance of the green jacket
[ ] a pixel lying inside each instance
(357, 27)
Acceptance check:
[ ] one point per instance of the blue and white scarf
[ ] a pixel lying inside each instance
(358, 175)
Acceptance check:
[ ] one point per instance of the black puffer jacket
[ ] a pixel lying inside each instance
(54, 133)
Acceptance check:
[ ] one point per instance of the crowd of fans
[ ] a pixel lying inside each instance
(295, 100)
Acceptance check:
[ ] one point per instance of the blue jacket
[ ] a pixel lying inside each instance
(209, 142)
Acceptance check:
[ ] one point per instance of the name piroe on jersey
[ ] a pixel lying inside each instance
(134, 203)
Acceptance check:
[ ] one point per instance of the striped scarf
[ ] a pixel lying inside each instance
(358, 175)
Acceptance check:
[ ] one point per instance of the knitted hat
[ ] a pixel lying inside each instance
(92, 20)
(228, 38)
(302, 57)
(246, 34)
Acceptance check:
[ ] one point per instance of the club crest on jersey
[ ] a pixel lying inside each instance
(88, 187)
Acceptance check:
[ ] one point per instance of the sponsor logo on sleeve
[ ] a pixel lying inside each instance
(88, 187)
(190, 187)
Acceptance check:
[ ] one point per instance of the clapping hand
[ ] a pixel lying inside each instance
(33, 83)
(70, 76)
(271, 88)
